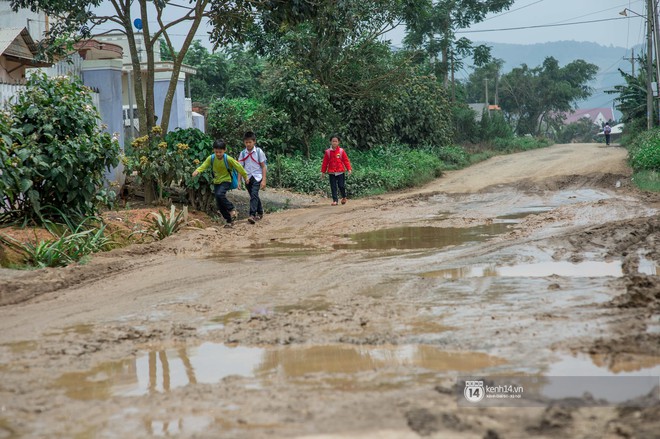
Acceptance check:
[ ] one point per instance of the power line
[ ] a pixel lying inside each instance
(596, 12)
(513, 10)
(540, 26)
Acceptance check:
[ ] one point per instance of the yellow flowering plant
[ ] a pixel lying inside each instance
(158, 162)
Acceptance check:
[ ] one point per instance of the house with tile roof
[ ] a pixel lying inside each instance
(17, 53)
(598, 116)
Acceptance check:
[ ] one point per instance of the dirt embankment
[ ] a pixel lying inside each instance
(286, 329)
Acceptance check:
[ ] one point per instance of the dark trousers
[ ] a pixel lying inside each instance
(607, 139)
(224, 205)
(253, 187)
(338, 181)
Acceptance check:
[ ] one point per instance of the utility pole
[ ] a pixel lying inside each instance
(632, 61)
(649, 64)
(487, 101)
(654, 15)
(497, 88)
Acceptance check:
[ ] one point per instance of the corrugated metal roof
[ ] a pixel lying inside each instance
(9, 35)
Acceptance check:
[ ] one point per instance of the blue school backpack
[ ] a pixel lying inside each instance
(232, 172)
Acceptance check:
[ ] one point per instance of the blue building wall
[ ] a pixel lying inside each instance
(178, 113)
(106, 76)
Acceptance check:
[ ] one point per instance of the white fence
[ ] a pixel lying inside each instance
(189, 113)
(9, 91)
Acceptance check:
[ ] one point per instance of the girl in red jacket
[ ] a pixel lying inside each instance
(336, 163)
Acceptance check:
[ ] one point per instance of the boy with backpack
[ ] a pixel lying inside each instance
(335, 164)
(222, 167)
(253, 160)
(608, 133)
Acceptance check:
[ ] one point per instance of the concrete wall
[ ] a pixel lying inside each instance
(106, 76)
(36, 23)
(178, 117)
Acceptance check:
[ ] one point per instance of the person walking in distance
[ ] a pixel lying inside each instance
(336, 164)
(221, 165)
(607, 130)
(253, 160)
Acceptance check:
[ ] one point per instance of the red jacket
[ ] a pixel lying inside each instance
(335, 160)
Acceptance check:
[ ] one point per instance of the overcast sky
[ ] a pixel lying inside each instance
(529, 14)
(620, 31)
(617, 31)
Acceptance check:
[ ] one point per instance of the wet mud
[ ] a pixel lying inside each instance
(356, 321)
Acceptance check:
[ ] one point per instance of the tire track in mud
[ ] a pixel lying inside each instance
(364, 300)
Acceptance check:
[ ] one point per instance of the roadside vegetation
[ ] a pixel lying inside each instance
(295, 76)
(643, 145)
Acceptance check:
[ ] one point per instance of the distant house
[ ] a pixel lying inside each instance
(181, 115)
(480, 108)
(17, 53)
(597, 116)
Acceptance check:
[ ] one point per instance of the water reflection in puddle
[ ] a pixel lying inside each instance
(649, 267)
(516, 217)
(162, 371)
(541, 269)
(595, 371)
(410, 238)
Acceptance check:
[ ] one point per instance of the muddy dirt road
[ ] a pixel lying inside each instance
(356, 321)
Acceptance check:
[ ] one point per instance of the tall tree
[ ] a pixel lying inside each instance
(432, 27)
(343, 57)
(631, 99)
(76, 19)
(481, 79)
(532, 97)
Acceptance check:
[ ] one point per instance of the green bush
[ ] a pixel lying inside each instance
(200, 146)
(70, 243)
(454, 157)
(644, 151)
(422, 113)
(581, 131)
(294, 90)
(517, 144)
(380, 169)
(229, 119)
(494, 126)
(647, 180)
(466, 128)
(53, 152)
(158, 163)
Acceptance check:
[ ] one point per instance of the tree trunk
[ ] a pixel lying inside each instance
(178, 61)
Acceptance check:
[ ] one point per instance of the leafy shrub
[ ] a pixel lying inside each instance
(644, 151)
(454, 157)
(303, 98)
(156, 162)
(70, 243)
(494, 126)
(200, 146)
(581, 131)
(422, 114)
(517, 144)
(162, 225)
(647, 180)
(53, 151)
(384, 168)
(466, 128)
(229, 119)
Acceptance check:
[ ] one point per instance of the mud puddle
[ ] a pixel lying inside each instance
(415, 238)
(341, 366)
(540, 269)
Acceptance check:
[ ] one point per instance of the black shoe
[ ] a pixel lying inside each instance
(229, 225)
(252, 220)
